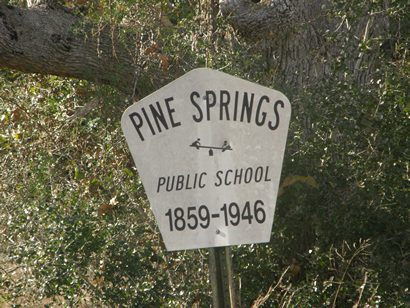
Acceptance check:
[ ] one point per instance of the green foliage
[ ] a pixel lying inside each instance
(73, 215)
(76, 226)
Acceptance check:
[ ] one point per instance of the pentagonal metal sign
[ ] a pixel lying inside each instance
(209, 149)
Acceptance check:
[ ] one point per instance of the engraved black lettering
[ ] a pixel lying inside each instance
(170, 185)
(247, 107)
(180, 182)
(171, 111)
(199, 117)
(138, 124)
(200, 184)
(258, 174)
(224, 102)
(267, 178)
(148, 121)
(275, 108)
(238, 176)
(159, 117)
(226, 177)
(219, 179)
(161, 181)
(248, 175)
(210, 102)
(235, 112)
(187, 183)
(259, 121)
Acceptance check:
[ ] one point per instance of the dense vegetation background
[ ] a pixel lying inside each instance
(75, 224)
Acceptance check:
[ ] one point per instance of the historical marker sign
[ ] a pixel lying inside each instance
(209, 149)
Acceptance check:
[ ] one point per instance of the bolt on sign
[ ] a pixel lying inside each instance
(209, 148)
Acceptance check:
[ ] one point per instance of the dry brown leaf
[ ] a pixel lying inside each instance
(105, 209)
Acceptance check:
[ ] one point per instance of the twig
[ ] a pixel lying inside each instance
(356, 253)
(263, 298)
(87, 108)
(361, 291)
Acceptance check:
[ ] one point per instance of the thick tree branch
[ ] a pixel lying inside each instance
(54, 42)
(257, 21)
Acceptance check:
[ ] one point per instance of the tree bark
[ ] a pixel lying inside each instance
(289, 28)
(305, 41)
(53, 41)
(260, 21)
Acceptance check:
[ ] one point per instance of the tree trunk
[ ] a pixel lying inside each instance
(306, 40)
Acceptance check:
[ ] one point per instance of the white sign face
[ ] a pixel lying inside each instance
(209, 149)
